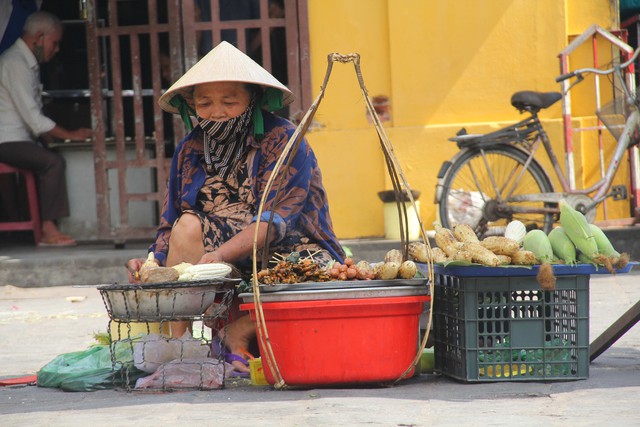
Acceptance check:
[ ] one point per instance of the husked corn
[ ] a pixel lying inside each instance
(516, 230)
(182, 267)
(205, 271)
(446, 241)
(420, 251)
(464, 233)
(461, 255)
(500, 245)
(503, 259)
(524, 257)
(407, 270)
(438, 255)
(480, 254)
(388, 270)
(150, 262)
(393, 255)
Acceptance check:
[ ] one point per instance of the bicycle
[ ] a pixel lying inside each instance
(494, 178)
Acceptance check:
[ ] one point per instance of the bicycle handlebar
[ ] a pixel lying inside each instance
(581, 71)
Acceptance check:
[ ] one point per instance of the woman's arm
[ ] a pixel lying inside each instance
(178, 194)
(238, 247)
(294, 193)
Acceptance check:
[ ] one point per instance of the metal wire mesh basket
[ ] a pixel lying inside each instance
(162, 301)
(144, 353)
(614, 116)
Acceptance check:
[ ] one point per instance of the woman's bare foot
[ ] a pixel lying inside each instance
(236, 337)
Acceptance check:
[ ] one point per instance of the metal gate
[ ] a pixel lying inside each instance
(135, 50)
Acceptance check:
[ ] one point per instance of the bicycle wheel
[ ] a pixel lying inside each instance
(479, 190)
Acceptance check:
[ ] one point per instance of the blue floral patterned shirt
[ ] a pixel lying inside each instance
(301, 209)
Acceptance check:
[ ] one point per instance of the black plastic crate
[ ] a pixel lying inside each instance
(503, 327)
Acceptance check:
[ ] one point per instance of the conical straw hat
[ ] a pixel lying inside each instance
(224, 63)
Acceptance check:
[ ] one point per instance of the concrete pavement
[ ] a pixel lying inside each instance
(37, 324)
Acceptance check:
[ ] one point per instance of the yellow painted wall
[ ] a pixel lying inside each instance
(444, 65)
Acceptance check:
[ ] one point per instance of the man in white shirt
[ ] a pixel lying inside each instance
(22, 122)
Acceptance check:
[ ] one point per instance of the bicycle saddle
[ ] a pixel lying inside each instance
(534, 101)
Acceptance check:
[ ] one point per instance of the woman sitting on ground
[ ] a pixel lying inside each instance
(218, 176)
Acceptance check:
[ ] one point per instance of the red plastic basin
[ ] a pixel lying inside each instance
(341, 341)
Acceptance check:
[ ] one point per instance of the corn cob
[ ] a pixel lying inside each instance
(500, 245)
(446, 241)
(538, 242)
(602, 242)
(562, 246)
(150, 262)
(503, 259)
(583, 259)
(407, 270)
(616, 260)
(393, 255)
(419, 251)
(599, 260)
(438, 255)
(387, 271)
(577, 228)
(461, 255)
(205, 271)
(622, 261)
(516, 230)
(181, 268)
(480, 254)
(524, 257)
(464, 233)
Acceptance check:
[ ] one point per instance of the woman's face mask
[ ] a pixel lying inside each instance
(220, 101)
(224, 113)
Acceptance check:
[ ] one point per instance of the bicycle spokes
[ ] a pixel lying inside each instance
(487, 188)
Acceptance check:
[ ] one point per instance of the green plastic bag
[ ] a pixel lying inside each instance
(89, 370)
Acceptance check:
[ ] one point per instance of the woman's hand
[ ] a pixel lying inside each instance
(211, 257)
(133, 267)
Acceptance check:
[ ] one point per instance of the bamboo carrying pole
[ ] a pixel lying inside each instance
(400, 188)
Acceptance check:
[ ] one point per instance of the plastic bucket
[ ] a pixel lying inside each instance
(342, 341)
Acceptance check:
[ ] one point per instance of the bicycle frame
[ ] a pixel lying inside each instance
(527, 190)
(599, 190)
(601, 187)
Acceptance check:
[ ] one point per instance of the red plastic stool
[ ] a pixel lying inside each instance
(32, 198)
